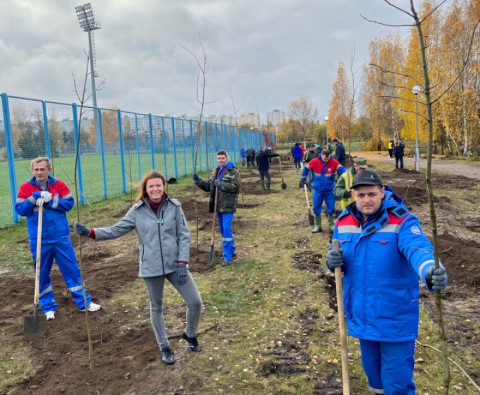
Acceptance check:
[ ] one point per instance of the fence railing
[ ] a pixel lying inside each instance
(125, 146)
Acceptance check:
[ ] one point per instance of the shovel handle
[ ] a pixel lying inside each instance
(39, 254)
(215, 197)
(341, 324)
(306, 196)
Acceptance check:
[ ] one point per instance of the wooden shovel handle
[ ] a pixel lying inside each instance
(341, 324)
(39, 254)
(306, 196)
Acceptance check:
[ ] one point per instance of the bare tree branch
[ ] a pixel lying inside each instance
(431, 12)
(398, 8)
(395, 72)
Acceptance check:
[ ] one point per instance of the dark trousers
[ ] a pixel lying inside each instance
(399, 159)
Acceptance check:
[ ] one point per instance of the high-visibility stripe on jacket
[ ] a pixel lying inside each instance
(323, 173)
(384, 258)
(55, 224)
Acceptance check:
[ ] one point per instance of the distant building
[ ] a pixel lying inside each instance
(251, 118)
(274, 118)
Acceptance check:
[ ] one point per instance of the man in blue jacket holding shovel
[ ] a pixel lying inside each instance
(225, 179)
(383, 252)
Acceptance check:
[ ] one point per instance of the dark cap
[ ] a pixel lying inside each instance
(367, 177)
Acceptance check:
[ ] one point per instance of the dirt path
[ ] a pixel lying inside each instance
(441, 165)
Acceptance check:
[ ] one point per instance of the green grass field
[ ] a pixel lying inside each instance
(92, 172)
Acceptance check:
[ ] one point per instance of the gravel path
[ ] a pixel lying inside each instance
(441, 165)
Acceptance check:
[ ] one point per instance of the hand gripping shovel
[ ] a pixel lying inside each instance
(35, 327)
(212, 244)
(311, 219)
(341, 324)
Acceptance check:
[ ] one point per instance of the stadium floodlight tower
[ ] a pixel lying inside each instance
(88, 24)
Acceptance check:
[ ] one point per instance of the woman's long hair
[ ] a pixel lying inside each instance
(142, 185)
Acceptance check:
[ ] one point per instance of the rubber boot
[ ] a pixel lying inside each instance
(268, 184)
(331, 222)
(263, 184)
(318, 224)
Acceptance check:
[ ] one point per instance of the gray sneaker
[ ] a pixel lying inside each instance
(167, 356)
(226, 263)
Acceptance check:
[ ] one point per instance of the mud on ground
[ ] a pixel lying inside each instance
(459, 248)
(121, 351)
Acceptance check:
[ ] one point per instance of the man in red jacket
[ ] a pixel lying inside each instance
(53, 195)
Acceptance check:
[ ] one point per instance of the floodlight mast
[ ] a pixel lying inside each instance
(86, 18)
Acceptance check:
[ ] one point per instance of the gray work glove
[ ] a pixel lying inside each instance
(182, 273)
(39, 202)
(347, 194)
(81, 229)
(437, 279)
(335, 259)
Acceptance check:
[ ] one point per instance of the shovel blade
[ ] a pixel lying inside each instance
(284, 186)
(34, 327)
(210, 257)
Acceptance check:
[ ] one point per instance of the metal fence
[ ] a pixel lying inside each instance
(125, 146)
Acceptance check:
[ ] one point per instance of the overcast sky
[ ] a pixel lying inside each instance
(266, 52)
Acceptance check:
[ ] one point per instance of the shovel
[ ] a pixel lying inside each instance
(284, 186)
(35, 327)
(341, 324)
(311, 219)
(212, 243)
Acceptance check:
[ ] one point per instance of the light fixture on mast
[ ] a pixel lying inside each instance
(86, 18)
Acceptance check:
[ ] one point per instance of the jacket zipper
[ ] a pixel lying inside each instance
(160, 224)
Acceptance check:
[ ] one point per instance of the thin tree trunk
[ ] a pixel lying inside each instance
(433, 216)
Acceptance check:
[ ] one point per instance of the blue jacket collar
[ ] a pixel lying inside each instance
(50, 180)
(227, 166)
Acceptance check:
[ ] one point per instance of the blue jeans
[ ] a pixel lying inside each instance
(228, 244)
(190, 295)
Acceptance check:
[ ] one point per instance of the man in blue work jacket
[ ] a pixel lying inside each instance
(383, 252)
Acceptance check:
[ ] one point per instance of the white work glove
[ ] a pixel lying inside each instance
(40, 202)
(46, 196)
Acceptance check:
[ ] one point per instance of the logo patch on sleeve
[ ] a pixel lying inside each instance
(415, 230)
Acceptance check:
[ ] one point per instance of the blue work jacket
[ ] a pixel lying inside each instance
(384, 258)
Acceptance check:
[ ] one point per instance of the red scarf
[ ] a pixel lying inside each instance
(154, 206)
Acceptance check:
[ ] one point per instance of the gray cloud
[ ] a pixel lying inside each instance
(266, 51)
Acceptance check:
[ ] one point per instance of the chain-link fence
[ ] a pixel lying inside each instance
(115, 147)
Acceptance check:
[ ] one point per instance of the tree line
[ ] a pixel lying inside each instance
(381, 105)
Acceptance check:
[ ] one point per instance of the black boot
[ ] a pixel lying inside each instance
(192, 342)
(268, 184)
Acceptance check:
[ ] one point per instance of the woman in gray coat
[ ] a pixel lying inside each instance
(164, 248)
